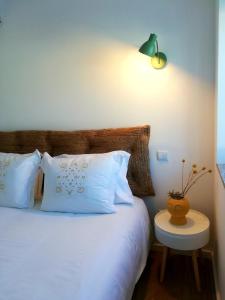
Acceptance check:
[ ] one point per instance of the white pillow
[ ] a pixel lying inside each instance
(123, 193)
(17, 178)
(79, 184)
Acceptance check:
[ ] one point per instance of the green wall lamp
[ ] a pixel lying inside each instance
(151, 48)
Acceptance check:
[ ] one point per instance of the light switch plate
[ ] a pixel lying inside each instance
(162, 155)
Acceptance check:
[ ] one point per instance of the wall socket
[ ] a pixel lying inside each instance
(162, 155)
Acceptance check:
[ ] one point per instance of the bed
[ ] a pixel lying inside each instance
(50, 255)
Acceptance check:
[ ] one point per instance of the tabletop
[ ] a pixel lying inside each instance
(196, 223)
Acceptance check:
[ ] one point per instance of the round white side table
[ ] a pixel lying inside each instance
(191, 236)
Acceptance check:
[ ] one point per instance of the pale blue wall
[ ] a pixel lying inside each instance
(221, 86)
(69, 64)
(220, 151)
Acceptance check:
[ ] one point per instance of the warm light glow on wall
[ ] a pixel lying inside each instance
(137, 74)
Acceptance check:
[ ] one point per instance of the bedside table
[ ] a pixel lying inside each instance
(191, 236)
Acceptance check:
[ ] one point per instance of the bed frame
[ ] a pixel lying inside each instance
(134, 140)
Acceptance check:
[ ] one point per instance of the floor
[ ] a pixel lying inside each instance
(179, 282)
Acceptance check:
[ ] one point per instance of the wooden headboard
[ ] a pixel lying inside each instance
(134, 140)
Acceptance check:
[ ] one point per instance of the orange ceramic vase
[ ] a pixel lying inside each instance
(178, 210)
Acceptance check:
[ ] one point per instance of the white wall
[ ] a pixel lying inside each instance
(75, 64)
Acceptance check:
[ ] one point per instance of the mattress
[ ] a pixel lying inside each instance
(56, 256)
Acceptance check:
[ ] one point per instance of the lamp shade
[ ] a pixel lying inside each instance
(149, 47)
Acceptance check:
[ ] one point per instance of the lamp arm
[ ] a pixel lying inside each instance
(157, 47)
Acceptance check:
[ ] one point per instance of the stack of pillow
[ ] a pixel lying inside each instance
(86, 183)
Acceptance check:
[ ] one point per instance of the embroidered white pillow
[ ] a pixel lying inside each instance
(123, 193)
(79, 184)
(17, 178)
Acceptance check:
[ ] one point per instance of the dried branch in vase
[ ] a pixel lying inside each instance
(194, 175)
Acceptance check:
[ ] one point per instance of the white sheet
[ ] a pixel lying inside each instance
(55, 256)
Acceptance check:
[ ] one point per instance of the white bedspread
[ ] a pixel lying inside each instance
(55, 256)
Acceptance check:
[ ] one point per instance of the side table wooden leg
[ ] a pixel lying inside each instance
(196, 270)
(163, 266)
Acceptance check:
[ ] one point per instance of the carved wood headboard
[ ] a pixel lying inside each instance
(134, 140)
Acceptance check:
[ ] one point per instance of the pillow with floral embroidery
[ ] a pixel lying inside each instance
(79, 184)
(17, 177)
(123, 193)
